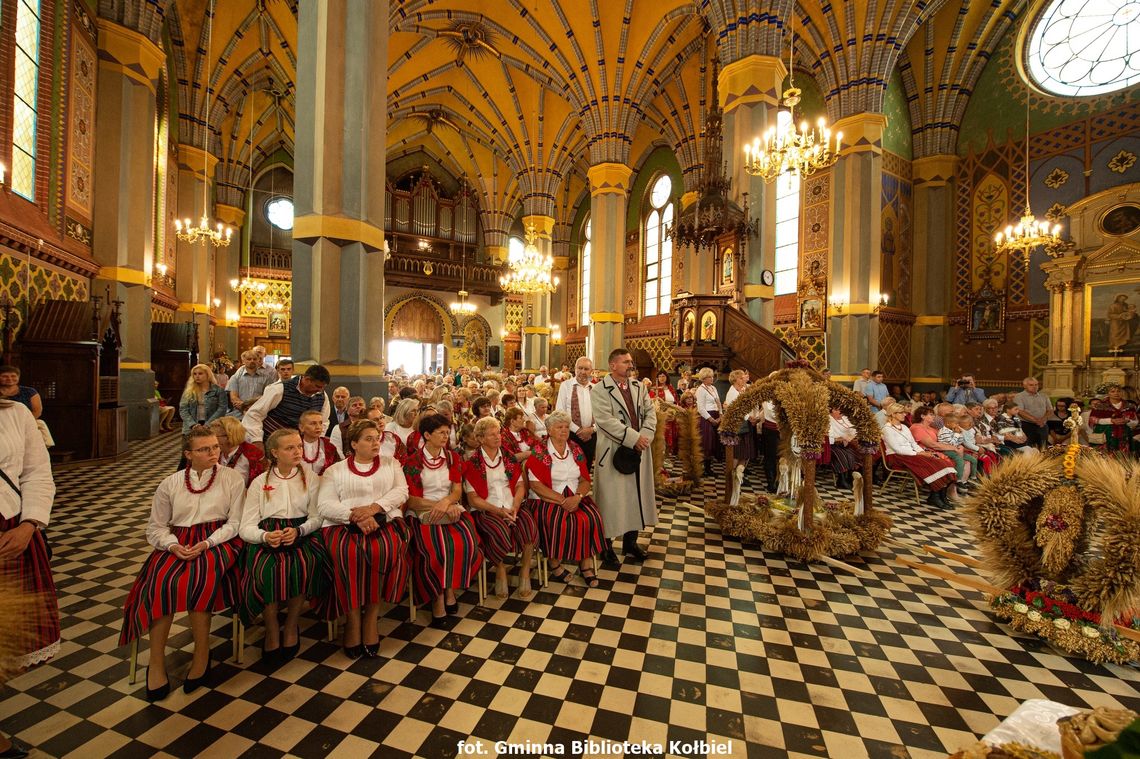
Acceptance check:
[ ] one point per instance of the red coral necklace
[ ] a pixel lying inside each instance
(209, 484)
(363, 473)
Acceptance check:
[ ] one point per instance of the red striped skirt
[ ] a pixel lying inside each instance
(367, 569)
(30, 572)
(272, 575)
(444, 556)
(569, 535)
(501, 538)
(167, 584)
(937, 473)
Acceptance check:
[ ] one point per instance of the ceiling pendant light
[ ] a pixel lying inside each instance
(529, 272)
(461, 306)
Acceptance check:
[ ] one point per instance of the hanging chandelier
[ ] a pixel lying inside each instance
(461, 306)
(1029, 232)
(204, 233)
(529, 273)
(788, 149)
(249, 288)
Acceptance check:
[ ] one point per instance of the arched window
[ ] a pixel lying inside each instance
(515, 248)
(26, 89)
(584, 274)
(787, 224)
(1085, 47)
(659, 248)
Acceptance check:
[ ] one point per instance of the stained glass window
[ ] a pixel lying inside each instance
(279, 212)
(659, 248)
(787, 225)
(1085, 47)
(584, 274)
(26, 87)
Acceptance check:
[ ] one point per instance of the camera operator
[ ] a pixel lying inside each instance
(965, 391)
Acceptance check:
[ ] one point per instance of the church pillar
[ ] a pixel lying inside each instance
(536, 308)
(227, 267)
(194, 264)
(123, 242)
(1066, 312)
(338, 282)
(749, 91)
(857, 180)
(691, 273)
(609, 196)
(933, 267)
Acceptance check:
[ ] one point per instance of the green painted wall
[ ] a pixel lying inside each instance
(997, 105)
(661, 160)
(897, 135)
(812, 104)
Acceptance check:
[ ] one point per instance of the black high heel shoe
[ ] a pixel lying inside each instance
(288, 653)
(371, 650)
(194, 683)
(451, 609)
(158, 693)
(17, 750)
(354, 652)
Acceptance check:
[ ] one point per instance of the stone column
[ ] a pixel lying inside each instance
(609, 196)
(338, 282)
(1066, 312)
(194, 269)
(933, 267)
(226, 267)
(857, 181)
(536, 328)
(123, 244)
(749, 91)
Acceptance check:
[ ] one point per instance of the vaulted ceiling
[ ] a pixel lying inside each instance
(522, 100)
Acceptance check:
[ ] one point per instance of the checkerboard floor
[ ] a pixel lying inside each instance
(709, 640)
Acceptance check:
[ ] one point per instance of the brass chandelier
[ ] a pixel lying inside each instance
(529, 273)
(204, 233)
(787, 149)
(461, 306)
(1029, 232)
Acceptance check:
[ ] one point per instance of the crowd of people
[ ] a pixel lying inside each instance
(289, 499)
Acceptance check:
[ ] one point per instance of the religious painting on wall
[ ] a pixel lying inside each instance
(1121, 220)
(690, 333)
(1111, 321)
(727, 276)
(278, 324)
(986, 315)
(708, 327)
(811, 316)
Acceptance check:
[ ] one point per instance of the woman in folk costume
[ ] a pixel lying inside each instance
(317, 451)
(663, 391)
(495, 491)
(284, 561)
(361, 504)
(244, 458)
(1115, 418)
(569, 523)
(193, 527)
(745, 449)
(446, 554)
(517, 439)
(845, 459)
(904, 452)
(26, 496)
(709, 408)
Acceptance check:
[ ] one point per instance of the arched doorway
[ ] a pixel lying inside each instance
(416, 339)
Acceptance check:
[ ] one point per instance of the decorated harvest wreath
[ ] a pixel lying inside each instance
(806, 529)
(1060, 533)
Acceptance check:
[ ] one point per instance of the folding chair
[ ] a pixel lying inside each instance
(902, 472)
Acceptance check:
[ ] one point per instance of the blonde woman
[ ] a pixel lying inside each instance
(709, 408)
(203, 400)
(404, 418)
(244, 458)
(282, 563)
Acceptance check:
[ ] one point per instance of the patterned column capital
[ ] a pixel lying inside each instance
(935, 170)
(751, 80)
(608, 178)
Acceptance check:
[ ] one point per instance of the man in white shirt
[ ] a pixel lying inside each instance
(860, 385)
(247, 385)
(1035, 410)
(339, 410)
(574, 399)
(284, 402)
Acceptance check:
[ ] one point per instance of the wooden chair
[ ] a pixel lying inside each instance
(237, 634)
(903, 472)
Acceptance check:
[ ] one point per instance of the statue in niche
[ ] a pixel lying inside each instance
(726, 273)
(690, 327)
(708, 327)
(887, 248)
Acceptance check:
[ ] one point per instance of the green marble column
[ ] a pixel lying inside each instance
(933, 266)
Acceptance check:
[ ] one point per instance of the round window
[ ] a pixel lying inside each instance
(1077, 48)
(279, 212)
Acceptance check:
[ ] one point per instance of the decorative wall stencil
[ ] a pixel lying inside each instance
(1122, 162)
(572, 320)
(277, 294)
(894, 347)
(514, 316)
(1056, 178)
(659, 348)
(815, 236)
(1055, 213)
(573, 352)
(16, 278)
(159, 315)
(1038, 346)
(81, 128)
(634, 276)
(990, 209)
(896, 239)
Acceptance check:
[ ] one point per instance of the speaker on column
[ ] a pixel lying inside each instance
(493, 356)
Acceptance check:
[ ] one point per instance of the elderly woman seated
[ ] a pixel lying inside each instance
(936, 470)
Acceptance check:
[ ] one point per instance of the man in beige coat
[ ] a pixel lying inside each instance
(624, 417)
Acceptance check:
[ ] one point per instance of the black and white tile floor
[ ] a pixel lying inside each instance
(710, 640)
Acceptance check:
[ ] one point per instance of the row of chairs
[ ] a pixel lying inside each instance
(237, 629)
